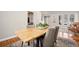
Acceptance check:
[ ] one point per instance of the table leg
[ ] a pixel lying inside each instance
(22, 44)
(40, 39)
(37, 42)
(28, 43)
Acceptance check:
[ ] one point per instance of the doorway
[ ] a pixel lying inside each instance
(30, 19)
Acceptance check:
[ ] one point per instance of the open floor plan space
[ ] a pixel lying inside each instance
(39, 28)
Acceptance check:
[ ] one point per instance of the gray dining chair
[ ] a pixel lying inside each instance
(50, 37)
(56, 33)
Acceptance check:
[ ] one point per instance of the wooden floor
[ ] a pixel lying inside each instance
(8, 42)
(60, 43)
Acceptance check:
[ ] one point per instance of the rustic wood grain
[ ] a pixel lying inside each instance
(30, 33)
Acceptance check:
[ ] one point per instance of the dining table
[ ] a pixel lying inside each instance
(29, 34)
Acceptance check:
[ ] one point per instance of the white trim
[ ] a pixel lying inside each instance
(7, 38)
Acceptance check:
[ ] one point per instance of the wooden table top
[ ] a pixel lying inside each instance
(29, 34)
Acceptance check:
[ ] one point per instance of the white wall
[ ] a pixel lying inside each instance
(78, 16)
(10, 21)
(0, 24)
